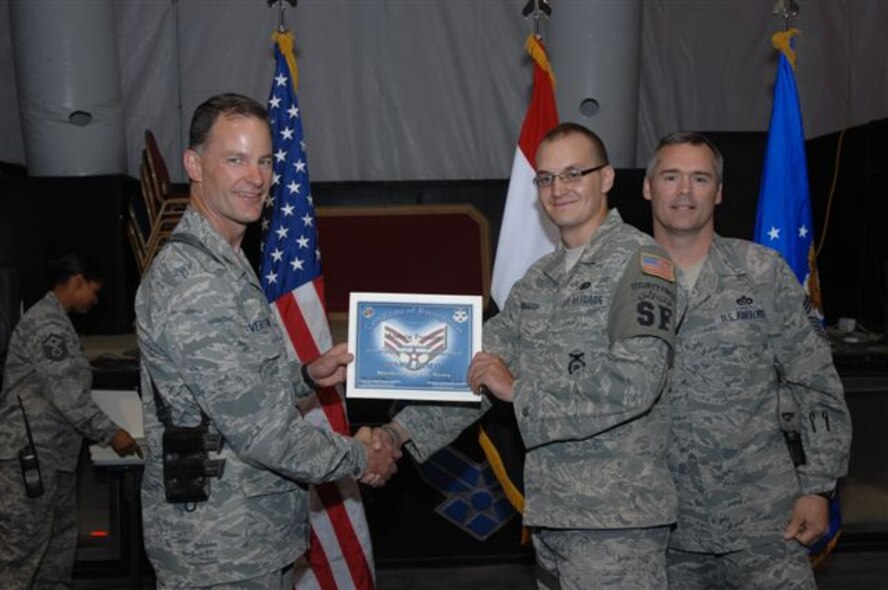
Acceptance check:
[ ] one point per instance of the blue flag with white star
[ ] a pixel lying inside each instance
(784, 220)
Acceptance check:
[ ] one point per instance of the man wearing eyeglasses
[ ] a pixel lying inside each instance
(581, 351)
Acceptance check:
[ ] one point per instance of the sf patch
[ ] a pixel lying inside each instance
(54, 348)
(644, 302)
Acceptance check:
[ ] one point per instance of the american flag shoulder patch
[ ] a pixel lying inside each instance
(657, 266)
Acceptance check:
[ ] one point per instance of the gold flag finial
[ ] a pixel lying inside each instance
(782, 42)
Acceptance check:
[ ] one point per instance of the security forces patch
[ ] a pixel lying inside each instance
(577, 361)
(643, 303)
(54, 348)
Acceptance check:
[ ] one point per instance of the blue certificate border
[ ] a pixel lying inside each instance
(411, 346)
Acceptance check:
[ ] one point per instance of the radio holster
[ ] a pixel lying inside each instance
(187, 467)
(28, 461)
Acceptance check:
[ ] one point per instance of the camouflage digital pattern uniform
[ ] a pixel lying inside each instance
(748, 332)
(209, 340)
(47, 369)
(589, 349)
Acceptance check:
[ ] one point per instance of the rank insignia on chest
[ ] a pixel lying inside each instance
(657, 266)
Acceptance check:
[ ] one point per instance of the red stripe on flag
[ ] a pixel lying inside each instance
(296, 327)
(334, 409)
(345, 534)
(320, 567)
(542, 115)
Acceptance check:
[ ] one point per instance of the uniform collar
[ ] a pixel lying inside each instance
(722, 258)
(720, 263)
(554, 269)
(54, 301)
(197, 225)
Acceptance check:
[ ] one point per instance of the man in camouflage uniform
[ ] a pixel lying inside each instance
(211, 346)
(47, 370)
(581, 349)
(748, 347)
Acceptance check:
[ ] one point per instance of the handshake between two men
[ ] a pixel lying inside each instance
(487, 373)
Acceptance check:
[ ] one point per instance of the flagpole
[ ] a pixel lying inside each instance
(537, 10)
(340, 553)
(282, 21)
(788, 9)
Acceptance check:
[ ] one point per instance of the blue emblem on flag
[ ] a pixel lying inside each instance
(474, 501)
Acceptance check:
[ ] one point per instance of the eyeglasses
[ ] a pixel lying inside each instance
(569, 176)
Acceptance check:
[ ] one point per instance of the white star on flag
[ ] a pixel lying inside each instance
(340, 553)
(774, 234)
(803, 232)
(308, 219)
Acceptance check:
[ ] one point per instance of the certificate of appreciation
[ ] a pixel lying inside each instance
(415, 347)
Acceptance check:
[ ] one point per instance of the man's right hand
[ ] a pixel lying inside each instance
(124, 444)
(381, 458)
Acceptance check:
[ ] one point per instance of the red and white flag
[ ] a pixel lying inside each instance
(526, 233)
(340, 556)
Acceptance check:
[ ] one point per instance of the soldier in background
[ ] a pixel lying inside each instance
(213, 349)
(47, 370)
(581, 350)
(748, 346)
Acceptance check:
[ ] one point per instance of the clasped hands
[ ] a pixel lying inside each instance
(382, 452)
(383, 445)
(487, 374)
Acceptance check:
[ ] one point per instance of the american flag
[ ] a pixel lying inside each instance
(340, 555)
(658, 266)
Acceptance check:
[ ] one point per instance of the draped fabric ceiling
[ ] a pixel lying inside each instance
(437, 89)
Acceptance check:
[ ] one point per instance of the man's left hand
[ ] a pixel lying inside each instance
(809, 520)
(489, 374)
(329, 368)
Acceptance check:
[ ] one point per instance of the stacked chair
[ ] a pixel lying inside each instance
(154, 214)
